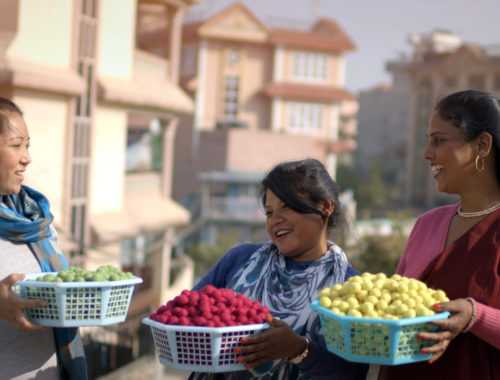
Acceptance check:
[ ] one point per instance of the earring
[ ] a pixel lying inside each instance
(479, 168)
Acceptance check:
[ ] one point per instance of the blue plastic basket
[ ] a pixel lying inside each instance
(376, 341)
(204, 349)
(73, 304)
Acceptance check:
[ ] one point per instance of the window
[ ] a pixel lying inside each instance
(231, 88)
(144, 148)
(309, 66)
(305, 117)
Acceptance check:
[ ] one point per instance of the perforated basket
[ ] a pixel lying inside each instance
(72, 304)
(206, 349)
(376, 341)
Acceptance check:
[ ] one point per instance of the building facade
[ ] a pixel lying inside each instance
(262, 95)
(442, 63)
(102, 114)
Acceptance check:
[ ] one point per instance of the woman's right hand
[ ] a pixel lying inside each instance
(12, 307)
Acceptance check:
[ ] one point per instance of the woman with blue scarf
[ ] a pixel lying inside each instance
(28, 244)
(285, 274)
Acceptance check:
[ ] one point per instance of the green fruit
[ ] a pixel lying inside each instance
(49, 277)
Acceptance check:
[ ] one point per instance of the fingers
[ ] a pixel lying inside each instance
(23, 323)
(10, 279)
(274, 322)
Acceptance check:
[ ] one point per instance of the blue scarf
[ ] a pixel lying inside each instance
(26, 218)
(288, 295)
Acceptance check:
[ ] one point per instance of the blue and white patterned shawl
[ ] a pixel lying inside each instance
(288, 295)
(26, 218)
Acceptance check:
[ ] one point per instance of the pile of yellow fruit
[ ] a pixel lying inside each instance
(376, 296)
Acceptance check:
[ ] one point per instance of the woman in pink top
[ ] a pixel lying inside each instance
(457, 248)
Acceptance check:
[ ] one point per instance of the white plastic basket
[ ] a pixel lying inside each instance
(73, 304)
(205, 349)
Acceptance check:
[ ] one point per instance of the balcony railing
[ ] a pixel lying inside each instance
(238, 209)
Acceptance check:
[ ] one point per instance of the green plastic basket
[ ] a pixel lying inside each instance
(73, 304)
(376, 341)
(196, 348)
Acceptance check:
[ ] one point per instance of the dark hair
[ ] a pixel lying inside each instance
(474, 112)
(7, 106)
(302, 186)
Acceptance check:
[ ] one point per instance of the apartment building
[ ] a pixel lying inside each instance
(442, 63)
(262, 95)
(102, 114)
(383, 122)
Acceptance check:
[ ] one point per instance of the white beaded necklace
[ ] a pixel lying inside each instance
(477, 213)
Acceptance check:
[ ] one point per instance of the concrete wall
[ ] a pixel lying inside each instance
(46, 118)
(108, 159)
(54, 39)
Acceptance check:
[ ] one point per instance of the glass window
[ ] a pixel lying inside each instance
(231, 88)
(305, 117)
(309, 66)
(144, 149)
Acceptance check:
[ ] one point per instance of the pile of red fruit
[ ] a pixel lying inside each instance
(210, 307)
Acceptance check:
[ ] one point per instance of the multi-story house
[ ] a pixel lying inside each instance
(383, 120)
(262, 95)
(441, 64)
(102, 115)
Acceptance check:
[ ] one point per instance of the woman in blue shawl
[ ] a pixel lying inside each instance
(285, 274)
(28, 244)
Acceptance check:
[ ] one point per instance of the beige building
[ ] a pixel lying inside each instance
(441, 64)
(262, 95)
(103, 114)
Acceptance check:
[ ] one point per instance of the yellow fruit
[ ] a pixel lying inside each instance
(376, 296)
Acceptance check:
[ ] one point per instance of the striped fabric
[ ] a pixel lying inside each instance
(26, 218)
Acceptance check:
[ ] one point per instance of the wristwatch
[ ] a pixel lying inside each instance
(301, 356)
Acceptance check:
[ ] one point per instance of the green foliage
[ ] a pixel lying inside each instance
(374, 191)
(378, 253)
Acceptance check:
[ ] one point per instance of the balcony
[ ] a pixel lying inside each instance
(245, 210)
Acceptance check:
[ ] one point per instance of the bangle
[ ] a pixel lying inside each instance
(473, 316)
(301, 356)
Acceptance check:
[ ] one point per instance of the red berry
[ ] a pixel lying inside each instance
(161, 309)
(181, 300)
(173, 320)
(163, 318)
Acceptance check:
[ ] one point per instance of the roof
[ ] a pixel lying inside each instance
(299, 91)
(148, 213)
(324, 35)
(145, 93)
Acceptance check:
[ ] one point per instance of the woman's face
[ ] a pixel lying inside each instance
(301, 237)
(450, 156)
(14, 155)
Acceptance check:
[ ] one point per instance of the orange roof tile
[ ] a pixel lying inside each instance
(306, 92)
(325, 34)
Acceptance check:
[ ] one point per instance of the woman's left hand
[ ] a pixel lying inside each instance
(461, 314)
(278, 342)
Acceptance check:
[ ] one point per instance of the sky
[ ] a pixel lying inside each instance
(379, 28)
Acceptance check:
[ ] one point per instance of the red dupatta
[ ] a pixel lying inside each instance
(468, 267)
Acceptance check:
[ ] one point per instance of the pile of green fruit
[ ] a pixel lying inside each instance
(74, 274)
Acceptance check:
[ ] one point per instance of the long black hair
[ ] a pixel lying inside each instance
(303, 186)
(474, 112)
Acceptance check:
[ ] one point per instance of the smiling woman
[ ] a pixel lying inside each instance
(28, 244)
(286, 274)
(456, 248)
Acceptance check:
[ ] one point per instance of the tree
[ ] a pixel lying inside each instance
(378, 253)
